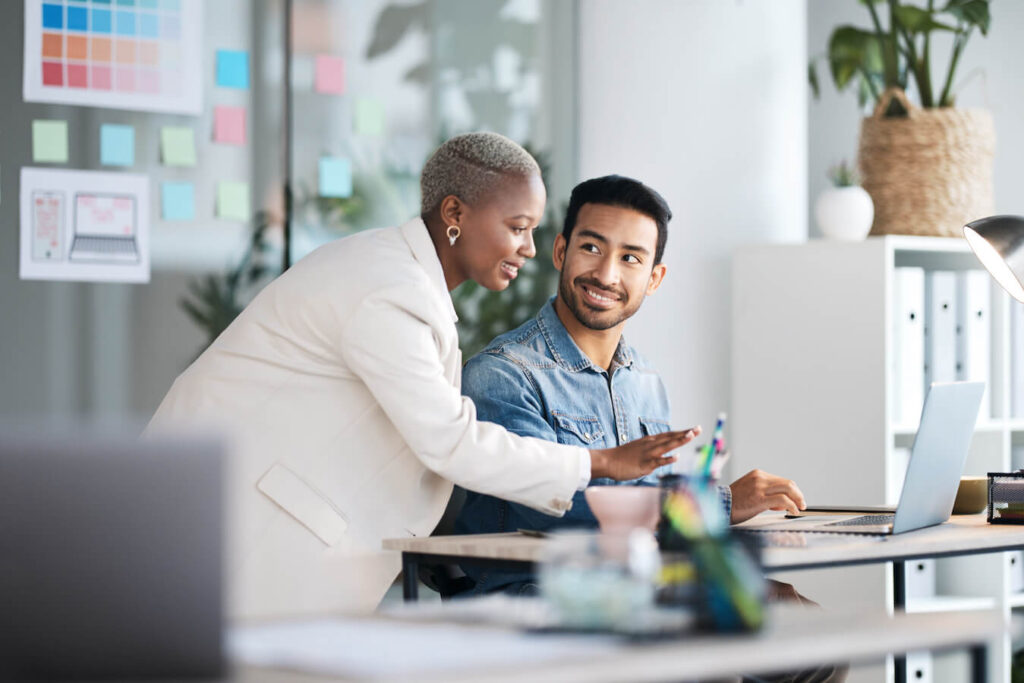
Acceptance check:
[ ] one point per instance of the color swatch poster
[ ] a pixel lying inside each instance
(84, 226)
(121, 54)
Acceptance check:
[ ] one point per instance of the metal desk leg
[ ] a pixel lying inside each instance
(899, 600)
(979, 664)
(410, 576)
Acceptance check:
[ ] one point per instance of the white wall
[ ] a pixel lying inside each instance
(706, 101)
(990, 75)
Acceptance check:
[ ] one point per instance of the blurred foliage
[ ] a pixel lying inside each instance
(897, 49)
(213, 301)
(484, 314)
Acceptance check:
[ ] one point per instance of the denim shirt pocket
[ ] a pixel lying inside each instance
(649, 426)
(577, 430)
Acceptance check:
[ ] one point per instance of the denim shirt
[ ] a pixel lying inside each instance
(535, 381)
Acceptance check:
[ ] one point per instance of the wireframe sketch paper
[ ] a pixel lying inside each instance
(84, 226)
(126, 55)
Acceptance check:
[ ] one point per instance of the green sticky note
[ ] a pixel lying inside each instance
(233, 201)
(50, 141)
(369, 118)
(178, 146)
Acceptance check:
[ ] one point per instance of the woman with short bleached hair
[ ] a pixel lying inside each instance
(339, 388)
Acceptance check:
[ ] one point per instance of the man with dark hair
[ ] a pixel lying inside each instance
(568, 376)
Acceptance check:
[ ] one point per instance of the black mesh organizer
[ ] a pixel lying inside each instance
(1006, 497)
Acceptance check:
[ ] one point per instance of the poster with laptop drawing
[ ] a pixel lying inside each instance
(84, 226)
(143, 55)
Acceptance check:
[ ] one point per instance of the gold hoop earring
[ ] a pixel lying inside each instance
(453, 234)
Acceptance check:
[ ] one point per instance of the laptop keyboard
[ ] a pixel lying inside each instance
(105, 245)
(865, 520)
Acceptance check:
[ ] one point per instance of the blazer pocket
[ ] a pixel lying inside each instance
(577, 430)
(303, 502)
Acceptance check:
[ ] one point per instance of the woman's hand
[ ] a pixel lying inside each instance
(640, 457)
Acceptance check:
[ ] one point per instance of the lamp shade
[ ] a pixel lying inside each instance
(998, 242)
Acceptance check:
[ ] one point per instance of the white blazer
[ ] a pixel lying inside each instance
(339, 388)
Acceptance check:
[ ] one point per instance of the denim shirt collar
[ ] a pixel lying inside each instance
(563, 347)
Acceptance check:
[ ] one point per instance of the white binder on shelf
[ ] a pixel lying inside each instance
(940, 326)
(920, 579)
(1017, 360)
(908, 345)
(1015, 559)
(919, 666)
(974, 332)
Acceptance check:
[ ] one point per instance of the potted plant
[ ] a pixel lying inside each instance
(844, 211)
(927, 166)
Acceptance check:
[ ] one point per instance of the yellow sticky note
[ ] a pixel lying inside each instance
(50, 141)
(178, 146)
(233, 201)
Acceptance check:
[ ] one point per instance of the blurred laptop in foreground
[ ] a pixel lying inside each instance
(110, 556)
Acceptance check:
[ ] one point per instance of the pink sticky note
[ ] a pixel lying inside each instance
(229, 125)
(330, 75)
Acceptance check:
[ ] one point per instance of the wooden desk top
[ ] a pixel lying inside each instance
(961, 535)
(794, 638)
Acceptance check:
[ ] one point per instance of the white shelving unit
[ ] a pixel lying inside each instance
(813, 399)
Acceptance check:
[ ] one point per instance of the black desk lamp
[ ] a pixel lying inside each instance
(998, 242)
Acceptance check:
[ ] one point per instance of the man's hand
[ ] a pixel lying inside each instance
(638, 458)
(757, 491)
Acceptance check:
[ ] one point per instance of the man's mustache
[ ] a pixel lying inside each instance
(601, 289)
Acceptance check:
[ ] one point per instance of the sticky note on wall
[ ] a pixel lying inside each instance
(330, 75)
(178, 146)
(50, 141)
(229, 125)
(369, 118)
(233, 69)
(233, 201)
(335, 177)
(117, 145)
(178, 201)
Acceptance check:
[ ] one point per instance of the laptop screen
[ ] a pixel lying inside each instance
(100, 215)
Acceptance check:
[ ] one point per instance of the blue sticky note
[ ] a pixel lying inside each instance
(335, 177)
(233, 69)
(53, 16)
(117, 145)
(178, 201)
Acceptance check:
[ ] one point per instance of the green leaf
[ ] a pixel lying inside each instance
(393, 22)
(971, 12)
(812, 78)
(851, 51)
(916, 20)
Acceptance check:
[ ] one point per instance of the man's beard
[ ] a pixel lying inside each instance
(588, 317)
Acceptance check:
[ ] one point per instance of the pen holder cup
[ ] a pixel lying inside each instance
(726, 583)
(730, 583)
(1006, 497)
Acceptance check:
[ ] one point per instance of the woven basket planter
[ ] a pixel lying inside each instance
(930, 172)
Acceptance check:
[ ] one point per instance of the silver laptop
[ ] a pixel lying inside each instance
(110, 556)
(933, 473)
(105, 229)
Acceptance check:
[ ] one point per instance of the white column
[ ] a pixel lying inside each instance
(706, 101)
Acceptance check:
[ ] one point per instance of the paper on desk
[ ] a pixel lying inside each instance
(366, 648)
